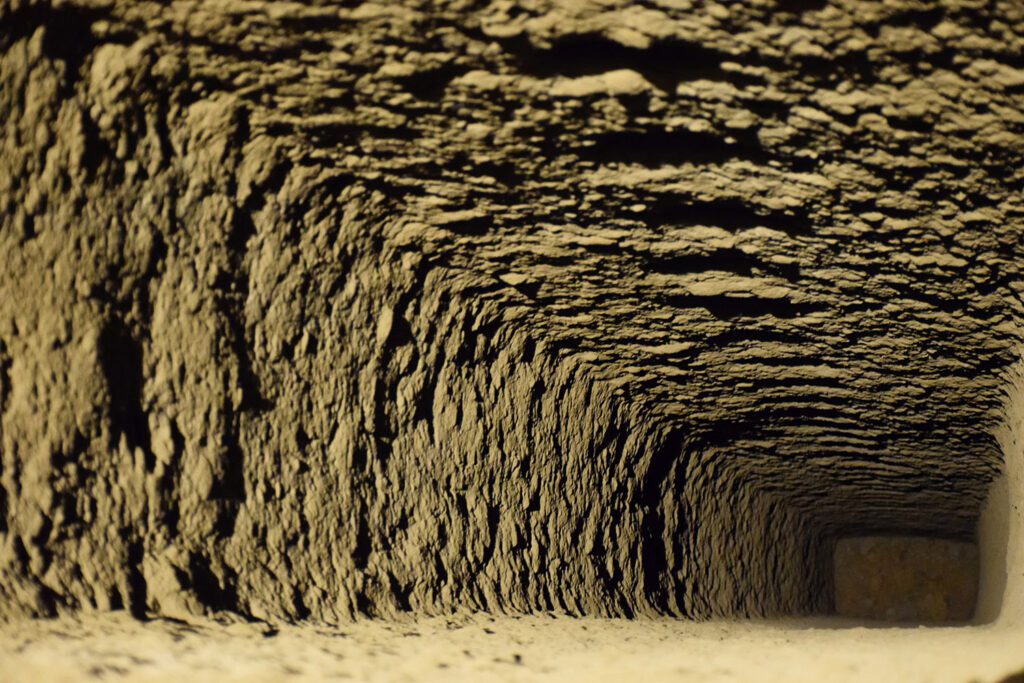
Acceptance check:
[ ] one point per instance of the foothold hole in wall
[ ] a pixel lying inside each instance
(908, 579)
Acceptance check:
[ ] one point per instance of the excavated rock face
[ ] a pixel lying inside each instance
(596, 306)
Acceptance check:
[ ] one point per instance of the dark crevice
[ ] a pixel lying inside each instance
(729, 307)
(654, 148)
(472, 225)
(430, 85)
(316, 25)
(231, 485)
(301, 610)
(401, 593)
(242, 230)
(800, 6)
(352, 134)
(137, 590)
(729, 214)
(5, 377)
(121, 359)
(665, 63)
(364, 605)
(212, 592)
(924, 19)
(361, 551)
(768, 109)
(96, 152)
(503, 171)
(653, 523)
(731, 260)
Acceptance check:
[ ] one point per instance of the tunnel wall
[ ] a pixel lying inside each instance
(1001, 527)
(233, 383)
(319, 310)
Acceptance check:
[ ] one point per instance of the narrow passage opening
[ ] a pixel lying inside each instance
(906, 579)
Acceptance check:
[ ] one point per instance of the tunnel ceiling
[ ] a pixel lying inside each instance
(785, 235)
(793, 229)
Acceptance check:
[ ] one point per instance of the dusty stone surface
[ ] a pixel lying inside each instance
(605, 308)
(503, 648)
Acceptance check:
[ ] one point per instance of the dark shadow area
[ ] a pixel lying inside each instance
(122, 363)
(729, 214)
(665, 63)
(654, 148)
(729, 307)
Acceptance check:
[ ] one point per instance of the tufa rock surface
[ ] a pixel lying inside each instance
(309, 310)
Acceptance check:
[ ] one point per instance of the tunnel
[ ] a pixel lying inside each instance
(670, 312)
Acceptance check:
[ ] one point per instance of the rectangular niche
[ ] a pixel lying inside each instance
(909, 579)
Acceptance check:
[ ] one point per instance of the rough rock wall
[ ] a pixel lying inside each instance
(312, 309)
